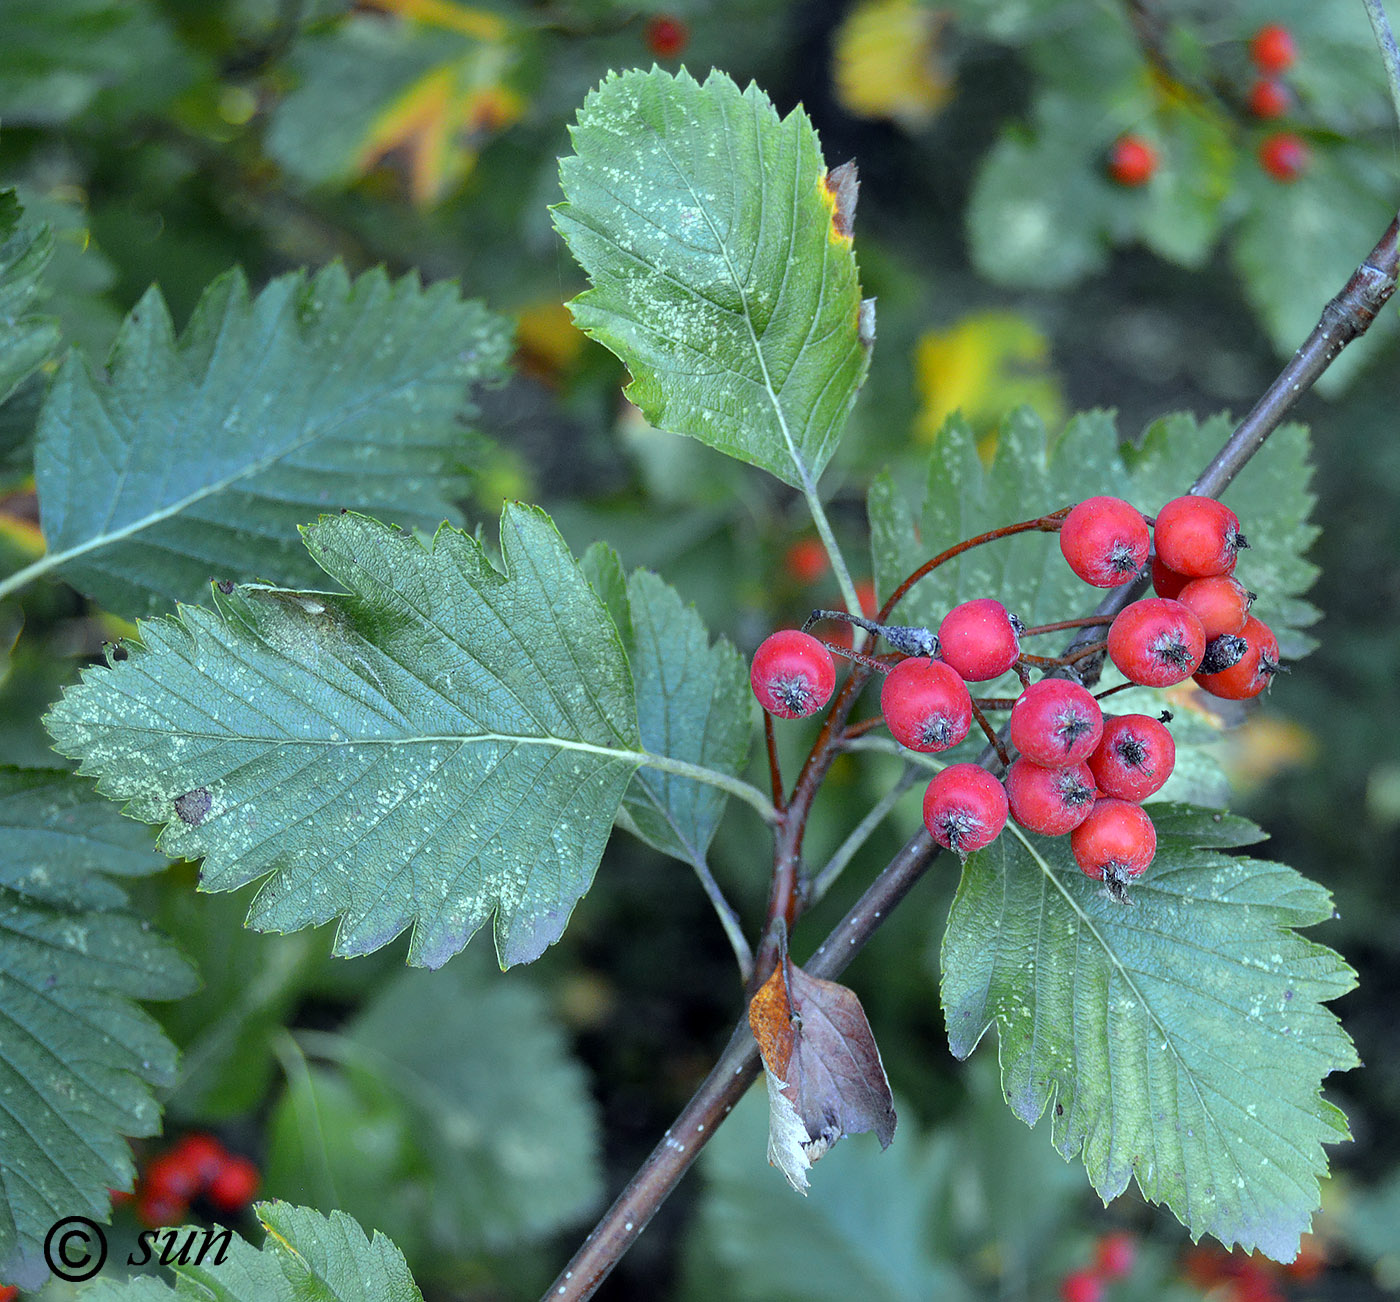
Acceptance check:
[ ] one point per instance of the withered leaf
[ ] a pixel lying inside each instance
(825, 1078)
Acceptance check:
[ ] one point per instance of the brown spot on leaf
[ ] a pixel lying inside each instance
(193, 806)
(224, 585)
(840, 186)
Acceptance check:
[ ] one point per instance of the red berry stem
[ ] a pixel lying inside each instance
(1109, 691)
(774, 772)
(1061, 625)
(992, 738)
(1041, 524)
(860, 729)
(1064, 661)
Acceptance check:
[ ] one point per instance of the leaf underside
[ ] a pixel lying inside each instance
(1180, 1041)
(443, 744)
(26, 340)
(721, 266)
(79, 1061)
(311, 396)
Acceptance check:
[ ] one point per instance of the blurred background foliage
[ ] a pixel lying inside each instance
(481, 1118)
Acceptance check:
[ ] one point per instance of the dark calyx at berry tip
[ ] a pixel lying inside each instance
(1070, 726)
(1171, 649)
(1116, 879)
(1073, 790)
(1132, 752)
(1222, 653)
(959, 827)
(1121, 559)
(794, 691)
(937, 732)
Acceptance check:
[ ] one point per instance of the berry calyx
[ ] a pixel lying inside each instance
(1156, 642)
(1105, 540)
(1114, 844)
(1284, 155)
(793, 675)
(926, 705)
(1252, 672)
(1055, 722)
(965, 808)
(237, 1181)
(1115, 1255)
(1220, 601)
(979, 639)
(1223, 653)
(666, 36)
(1081, 1286)
(1131, 161)
(1049, 801)
(1273, 48)
(1269, 99)
(1134, 757)
(1197, 536)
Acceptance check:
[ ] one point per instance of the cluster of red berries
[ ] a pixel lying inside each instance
(1114, 1257)
(1075, 773)
(1132, 160)
(198, 1166)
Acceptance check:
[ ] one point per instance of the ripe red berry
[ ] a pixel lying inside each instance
(1115, 1255)
(792, 674)
(1220, 601)
(1197, 536)
(1055, 722)
(1156, 642)
(926, 704)
(9, 1292)
(1252, 672)
(1167, 582)
(1131, 161)
(232, 1189)
(1049, 801)
(170, 1177)
(1081, 1286)
(1269, 99)
(666, 36)
(806, 560)
(157, 1209)
(1284, 155)
(1115, 843)
(201, 1153)
(979, 640)
(964, 808)
(1105, 540)
(1273, 48)
(1134, 758)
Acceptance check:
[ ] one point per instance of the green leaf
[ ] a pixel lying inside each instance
(456, 1117)
(1179, 1042)
(307, 1257)
(719, 275)
(693, 703)
(209, 450)
(865, 1231)
(79, 1061)
(26, 340)
(445, 743)
(1032, 475)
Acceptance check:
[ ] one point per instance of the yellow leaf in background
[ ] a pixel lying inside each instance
(887, 62)
(480, 23)
(1262, 746)
(548, 337)
(984, 365)
(435, 128)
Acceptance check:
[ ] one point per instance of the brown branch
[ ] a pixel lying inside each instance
(1345, 318)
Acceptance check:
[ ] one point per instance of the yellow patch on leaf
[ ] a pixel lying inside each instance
(887, 62)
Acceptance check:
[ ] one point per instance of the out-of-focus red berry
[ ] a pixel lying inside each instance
(1131, 161)
(203, 1154)
(667, 36)
(1081, 1286)
(169, 1176)
(806, 560)
(1284, 156)
(236, 1183)
(1273, 48)
(158, 1209)
(1269, 99)
(1114, 1255)
(8, 1292)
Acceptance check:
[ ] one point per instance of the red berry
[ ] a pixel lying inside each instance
(979, 640)
(1131, 161)
(792, 674)
(666, 36)
(169, 1176)
(1134, 758)
(1252, 672)
(1167, 582)
(1049, 801)
(1116, 842)
(926, 704)
(236, 1183)
(1273, 48)
(1055, 722)
(964, 808)
(1156, 642)
(9, 1292)
(203, 1154)
(806, 560)
(157, 1209)
(1114, 1255)
(1284, 155)
(1081, 1286)
(1197, 536)
(1269, 99)
(1220, 601)
(1105, 540)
